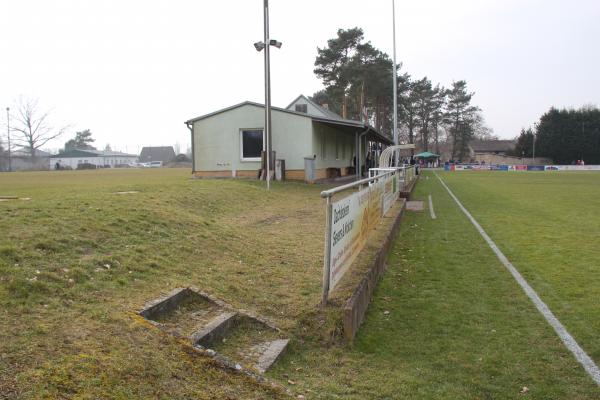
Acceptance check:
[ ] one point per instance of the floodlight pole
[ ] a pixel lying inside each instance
(8, 135)
(395, 81)
(533, 161)
(267, 93)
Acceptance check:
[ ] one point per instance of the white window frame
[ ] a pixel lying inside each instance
(250, 159)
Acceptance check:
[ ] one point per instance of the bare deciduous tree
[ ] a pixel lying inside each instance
(32, 126)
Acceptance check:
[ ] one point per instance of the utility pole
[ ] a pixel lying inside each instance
(395, 81)
(267, 93)
(8, 135)
(533, 160)
(266, 46)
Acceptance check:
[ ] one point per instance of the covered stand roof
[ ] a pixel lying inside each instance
(427, 154)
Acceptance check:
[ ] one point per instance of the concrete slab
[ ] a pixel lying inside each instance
(164, 304)
(271, 354)
(414, 206)
(215, 330)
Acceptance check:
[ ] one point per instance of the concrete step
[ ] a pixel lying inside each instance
(215, 330)
(270, 356)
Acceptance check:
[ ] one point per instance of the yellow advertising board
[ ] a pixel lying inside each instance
(351, 220)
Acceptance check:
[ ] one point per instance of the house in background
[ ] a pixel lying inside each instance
(164, 154)
(485, 150)
(496, 152)
(103, 159)
(314, 142)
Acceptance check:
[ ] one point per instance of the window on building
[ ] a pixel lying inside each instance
(251, 144)
(303, 108)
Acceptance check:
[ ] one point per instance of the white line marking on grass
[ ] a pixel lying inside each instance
(588, 364)
(431, 212)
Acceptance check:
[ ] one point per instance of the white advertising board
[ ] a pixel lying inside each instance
(349, 228)
(349, 222)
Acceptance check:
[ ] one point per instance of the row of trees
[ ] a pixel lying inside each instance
(563, 136)
(357, 79)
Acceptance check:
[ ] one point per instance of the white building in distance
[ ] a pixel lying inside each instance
(101, 159)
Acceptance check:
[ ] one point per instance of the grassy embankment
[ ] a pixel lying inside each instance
(77, 260)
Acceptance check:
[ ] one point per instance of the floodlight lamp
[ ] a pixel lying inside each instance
(275, 43)
(259, 46)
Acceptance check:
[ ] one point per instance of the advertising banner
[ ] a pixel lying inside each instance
(349, 229)
(390, 192)
(500, 167)
(375, 202)
(535, 168)
(579, 168)
(351, 220)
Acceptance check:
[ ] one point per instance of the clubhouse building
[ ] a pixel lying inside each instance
(314, 142)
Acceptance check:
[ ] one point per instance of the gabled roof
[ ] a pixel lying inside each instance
(75, 153)
(325, 111)
(492, 145)
(111, 153)
(158, 153)
(328, 120)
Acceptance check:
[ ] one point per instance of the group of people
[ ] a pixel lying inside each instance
(578, 162)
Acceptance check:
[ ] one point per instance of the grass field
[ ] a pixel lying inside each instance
(77, 260)
(458, 326)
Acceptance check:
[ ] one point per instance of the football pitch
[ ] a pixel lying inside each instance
(548, 226)
(80, 251)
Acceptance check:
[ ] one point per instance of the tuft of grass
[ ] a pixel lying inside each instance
(9, 254)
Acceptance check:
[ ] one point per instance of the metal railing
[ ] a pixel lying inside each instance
(360, 183)
(406, 174)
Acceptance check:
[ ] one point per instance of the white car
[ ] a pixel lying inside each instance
(153, 164)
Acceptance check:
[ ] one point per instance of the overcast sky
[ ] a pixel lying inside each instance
(133, 71)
